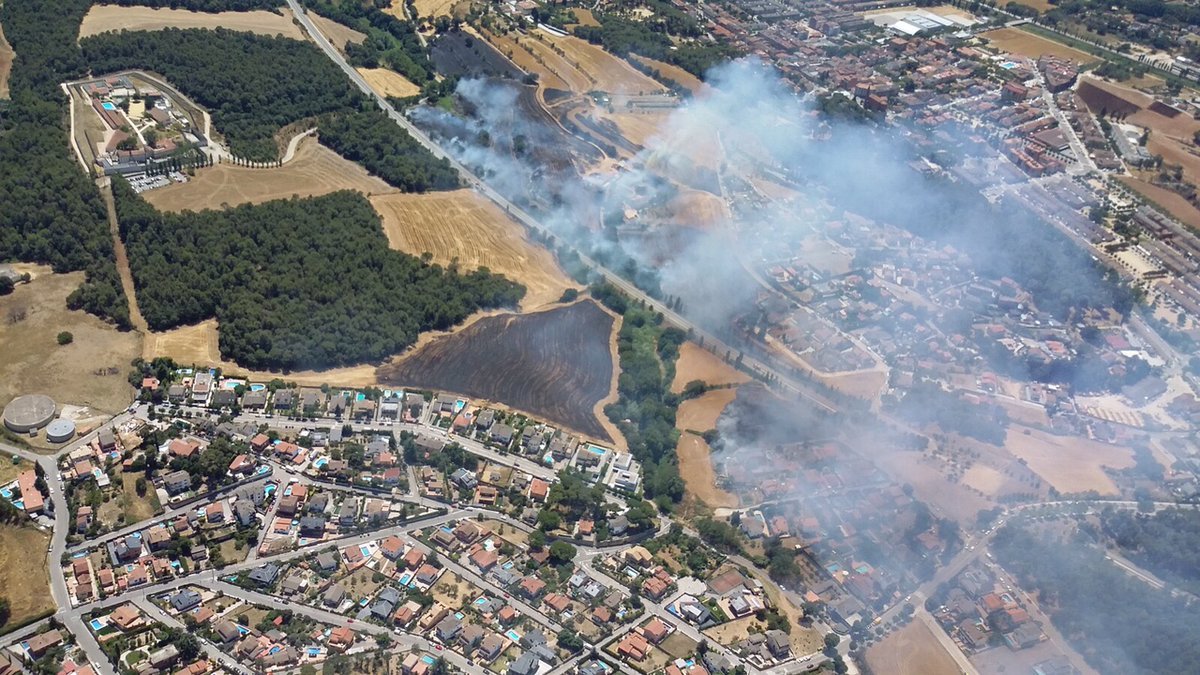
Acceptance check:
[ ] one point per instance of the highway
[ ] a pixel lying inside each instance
(800, 388)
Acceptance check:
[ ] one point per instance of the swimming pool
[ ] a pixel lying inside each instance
(6, 493)
(275, 649)
(512, 635)
(314, 651)
(242, 630)
(360, 396)
(459, 615)
(96, 624)
(269, 488)
(406, 578)
(257, 387)
(1008, 65)
(320, 462)
(427, 659)
(596, 450)
(480, 601)
(108, 106)
(459, 405)
(232, 384)
(365, 551)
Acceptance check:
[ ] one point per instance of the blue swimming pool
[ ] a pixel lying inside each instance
(459, 615)
(242, 630)
(480, 601)
(96, 624)
(320, 462)
(314, 651)
(275, 649)
(406, 578)
(108, 106)
(257, 387)
(269, 488)
(512, 635)
(6, 493)
(596, 450)
(428, 659)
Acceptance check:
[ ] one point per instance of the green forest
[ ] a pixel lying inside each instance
(652, 38)
(1119, 623)
(386, 150)
(252, 84)
(202, 5)
(51, 213)
(1165, 543)
(390, 42)
(295, 284)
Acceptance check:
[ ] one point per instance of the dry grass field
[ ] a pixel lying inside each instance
(1070, 464)
(701, 413)
(1173, 202)
(339, 35)
(865, 384)
(6, 61)
(583, 17)
(10, 471)
(31, 361)
(610, 73)
(640, 127)
(912, 650)
(984, 478)
(699, 477)
(433, 8)
(697, 363)
(465, 226)
(697, 208)
(104, 18)
(508, 45)
(315, 170)
(23, 575)
(684, 78)
(1024, 43)
(197, 344)
(549, 62)
(389, 82)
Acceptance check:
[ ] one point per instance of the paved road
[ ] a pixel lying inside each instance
(803, 389)
(214, 655)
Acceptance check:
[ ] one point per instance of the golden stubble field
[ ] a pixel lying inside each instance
(912, 650)
(463, 225)
(24, 578)
(1024, 43)
(699, 415)
(104, 18)
(6, 61)
(32, 361)
(315, 170)
(389, 82)
(339, 35)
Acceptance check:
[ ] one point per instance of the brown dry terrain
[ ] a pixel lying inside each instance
(339, 35)
(197, 344)
(912, 650)
(699, 477)
(684, 78)
(1024, 43)
(701, 413)
(697, 208)
(637, 127)
(583, 17)
(867, 384)
(1172, 202)
(315, 170)
(6, 61)
(508, 45)
(75, 374)
(389, 82)
(1069, 463)
(463, 225)
(555, 364)
(697, 363)
(610, 73)
(433, 8)
(23, 575)
(103, 18)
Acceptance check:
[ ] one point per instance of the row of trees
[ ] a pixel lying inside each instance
(295, 284)
(51, 213)
(252, 84)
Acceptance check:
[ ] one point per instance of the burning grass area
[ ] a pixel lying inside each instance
(555, 364)
(24, 579)
(104, 18)
(463, 226)
(88, 372)
(314, 170)
(912, 650)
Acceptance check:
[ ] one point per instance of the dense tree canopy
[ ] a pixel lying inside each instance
(1164, 543)
(386, 150)
(300, 283)
(50, 212)
(391, 42)
(252, 84)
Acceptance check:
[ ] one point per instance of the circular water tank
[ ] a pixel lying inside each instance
(26, 413)
(60, 431)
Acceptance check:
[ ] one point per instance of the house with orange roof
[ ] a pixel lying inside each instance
(392, 547)
(341, 638)
(633, 646)
(414, 558)
(485, 559)
(656, 631)
(558, 602)
(538, 489)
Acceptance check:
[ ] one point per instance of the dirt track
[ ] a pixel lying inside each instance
(554, 364)
(315, 170)
(464, 226)
(104, 18)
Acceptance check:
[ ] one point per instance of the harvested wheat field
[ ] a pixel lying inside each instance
(609, 73)
(583, 17)
(701, 413)
(388, 82)
(670, 71)
(1173, 202)
(912, 650)
(1024, 43)
(697, 208)
(508, 45)
(427, 9)
(198, 345)
(463, 225)
(23, 573)
(556, 364)
(6, 61)
(339, 36)
(546, 61)
(104, 18)
(315, 170)
(637, 127)
(697, 363)
(88, 372)
(1068, 463)
(699, 478)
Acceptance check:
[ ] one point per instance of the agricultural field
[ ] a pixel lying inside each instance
(1070, 464)
(702, 413)
(6, 61)
(463, 226)
(640, 127)
(24, 579)
(699, 477)
(583, 17)
(314, 170)
(671, 71)
(609, 73)
(88, 372)
(339, 35)
(534, 56)
(555, 364)
(427, 9)
(467, 53)
(197, 345)
(1173, 202)
(912, 650)
(104, 18)
(388, 82)
(1024, 43)
(697, 363)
